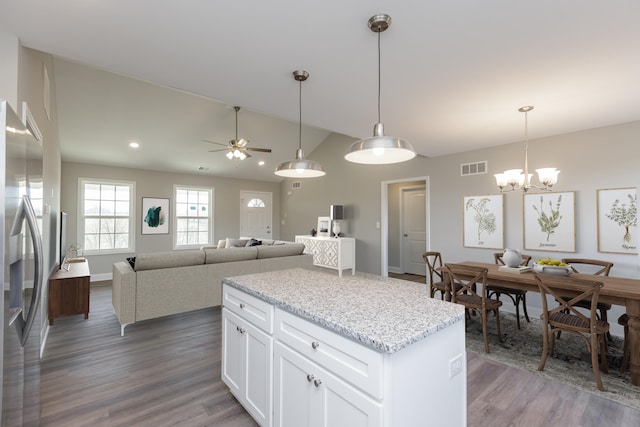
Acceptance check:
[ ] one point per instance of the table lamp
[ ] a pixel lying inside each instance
(336, 213)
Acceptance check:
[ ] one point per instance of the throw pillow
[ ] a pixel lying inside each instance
(236, 243)
(132, 262)
(254, 242)
(222, 244)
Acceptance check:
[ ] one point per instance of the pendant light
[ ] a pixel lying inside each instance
(380, 149)
(300, 167)
(515, 179)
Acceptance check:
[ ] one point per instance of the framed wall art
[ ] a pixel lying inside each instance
(324, 226)
(617, 220)
(483, 221)
(549, 221)
(155, 216)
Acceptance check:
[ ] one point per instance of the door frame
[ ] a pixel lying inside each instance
(384, 218)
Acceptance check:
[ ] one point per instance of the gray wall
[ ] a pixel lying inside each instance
(226, 205)
(588, 160)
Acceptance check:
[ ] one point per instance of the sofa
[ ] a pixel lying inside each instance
(164, 283)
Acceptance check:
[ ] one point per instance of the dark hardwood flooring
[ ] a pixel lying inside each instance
(166, 372)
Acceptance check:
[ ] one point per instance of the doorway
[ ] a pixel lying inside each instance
(256, 214)
(404, 210)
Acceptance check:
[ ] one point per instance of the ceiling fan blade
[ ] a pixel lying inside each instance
(262, 150)
(246, 154)
(213, 142)
(219, 149)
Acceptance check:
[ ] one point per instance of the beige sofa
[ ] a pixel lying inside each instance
(166, 283)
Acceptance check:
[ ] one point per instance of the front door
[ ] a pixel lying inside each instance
(255, 214)
(413, 230)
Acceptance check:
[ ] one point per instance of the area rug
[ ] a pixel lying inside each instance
(571, 363)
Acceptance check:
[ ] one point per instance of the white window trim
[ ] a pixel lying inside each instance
(132, 216)
(174, 220)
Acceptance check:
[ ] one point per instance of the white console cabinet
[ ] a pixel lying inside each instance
(330, 252)
(247, 356)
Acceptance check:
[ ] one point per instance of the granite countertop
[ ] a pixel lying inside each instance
(382, 313)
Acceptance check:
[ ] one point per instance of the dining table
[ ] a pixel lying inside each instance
(616, 290)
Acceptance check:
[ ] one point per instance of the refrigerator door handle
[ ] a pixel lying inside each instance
(26, 211)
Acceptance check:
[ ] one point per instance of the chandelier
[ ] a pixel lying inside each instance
(517, 179)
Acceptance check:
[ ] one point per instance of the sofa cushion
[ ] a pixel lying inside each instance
(236, 243)
(277, 250)
(215, 256)
(171, 259)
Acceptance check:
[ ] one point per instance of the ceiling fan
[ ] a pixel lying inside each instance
(237, 148)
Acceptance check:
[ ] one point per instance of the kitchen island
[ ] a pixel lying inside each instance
(302, 347)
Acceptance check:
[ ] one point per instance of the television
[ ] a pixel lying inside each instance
(63, 238)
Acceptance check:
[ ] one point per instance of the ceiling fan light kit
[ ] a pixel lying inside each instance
(300, 167)
(237, 148)
(380, 149)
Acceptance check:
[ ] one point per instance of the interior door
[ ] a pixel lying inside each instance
(255, 214)
(414, 233)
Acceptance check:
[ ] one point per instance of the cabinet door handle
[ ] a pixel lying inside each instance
(315, 344)
(310, 377)
(239, 329)
(317, 383)
(241, 305)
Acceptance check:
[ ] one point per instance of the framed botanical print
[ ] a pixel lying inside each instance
(324, 226)
(549, 221)
(617, 220)
(155, 216)
(483, 221)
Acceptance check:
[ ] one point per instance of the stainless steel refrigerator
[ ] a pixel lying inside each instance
(21, 270)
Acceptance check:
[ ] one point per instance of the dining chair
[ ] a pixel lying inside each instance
(469, 278)
(626, 352)
(436, 275)
(517, 296)
(567, 317)
(597, 268)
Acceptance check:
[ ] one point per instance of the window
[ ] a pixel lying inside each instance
(105, 220)
(255, 203)
(194, 222)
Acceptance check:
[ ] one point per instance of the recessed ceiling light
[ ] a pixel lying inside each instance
(134, 145)
(261, 163)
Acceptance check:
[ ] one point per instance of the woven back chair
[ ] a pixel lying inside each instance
(567, 317)
(597, 268)
(468, 295)
(517, 296)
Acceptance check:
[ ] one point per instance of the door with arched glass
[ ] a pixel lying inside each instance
(255, 214)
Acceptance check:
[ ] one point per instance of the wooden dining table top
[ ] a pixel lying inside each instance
(616, 290)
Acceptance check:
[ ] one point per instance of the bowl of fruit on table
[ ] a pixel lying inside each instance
(552, 266)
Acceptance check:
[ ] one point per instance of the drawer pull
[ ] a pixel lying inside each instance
(315, 344)
(317, 383)
(241, 305)
(310, 377)
(239, 329)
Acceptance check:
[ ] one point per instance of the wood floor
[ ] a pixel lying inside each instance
(166, 372)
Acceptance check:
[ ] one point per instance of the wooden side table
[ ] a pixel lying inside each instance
(69, 291)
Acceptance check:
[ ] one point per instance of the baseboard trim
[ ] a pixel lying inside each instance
(396, 270)
(101, 277)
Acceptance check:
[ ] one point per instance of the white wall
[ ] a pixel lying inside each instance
(9, 48)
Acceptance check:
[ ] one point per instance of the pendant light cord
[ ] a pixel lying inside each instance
(379, 77)
(300, 120)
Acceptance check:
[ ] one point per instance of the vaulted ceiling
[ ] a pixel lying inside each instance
(167, 74)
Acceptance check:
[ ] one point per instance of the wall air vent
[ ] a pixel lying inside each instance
(476, 168)
(296, 184)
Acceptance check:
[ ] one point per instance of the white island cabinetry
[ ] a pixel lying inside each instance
(247, 356)
(358, 351)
